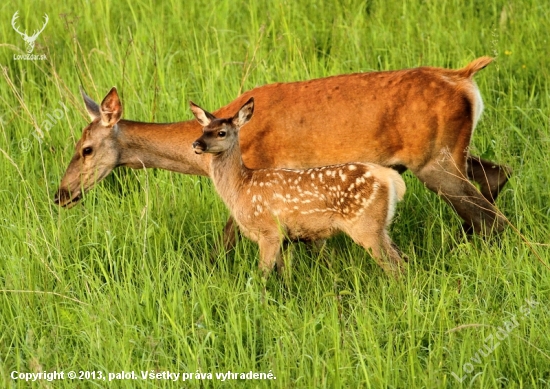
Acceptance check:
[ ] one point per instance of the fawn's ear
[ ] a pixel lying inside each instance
(91, 106)
(245, 113)
(203, 117)
(111, 108)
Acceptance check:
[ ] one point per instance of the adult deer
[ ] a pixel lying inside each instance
(420, 119)
(271, 205)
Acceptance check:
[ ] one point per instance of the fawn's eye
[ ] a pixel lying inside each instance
(221, 134)
(87, 151)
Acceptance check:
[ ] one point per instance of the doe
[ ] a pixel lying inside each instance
(273, 204)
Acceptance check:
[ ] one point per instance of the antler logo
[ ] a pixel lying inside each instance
(29, 40)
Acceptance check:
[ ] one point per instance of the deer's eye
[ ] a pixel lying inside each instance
(87, 151)
(221, 134)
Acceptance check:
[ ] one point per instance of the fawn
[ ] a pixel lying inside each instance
(270, 205)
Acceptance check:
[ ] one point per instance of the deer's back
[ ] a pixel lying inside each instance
(390, 118)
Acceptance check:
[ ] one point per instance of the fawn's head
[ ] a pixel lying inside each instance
(96, 153)
(220, 135)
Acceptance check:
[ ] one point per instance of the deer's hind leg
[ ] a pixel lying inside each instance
(490, 176)
(447, 177)
(373, 236)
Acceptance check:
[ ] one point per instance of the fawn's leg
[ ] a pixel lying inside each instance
(229, 240)
(286, 253)
(270, 253)
(392, 253)
(375, 239)
(230, 232)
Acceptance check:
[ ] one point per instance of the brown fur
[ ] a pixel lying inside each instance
(421, 119)
(312, 204)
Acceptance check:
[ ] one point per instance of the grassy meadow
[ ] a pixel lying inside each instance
(125, 282)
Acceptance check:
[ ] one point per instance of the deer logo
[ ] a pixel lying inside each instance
(29, 40)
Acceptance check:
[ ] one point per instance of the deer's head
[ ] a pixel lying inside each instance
(97, 152)
(219, 135)
(29, 40)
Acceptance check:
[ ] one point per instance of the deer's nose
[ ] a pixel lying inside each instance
(199, 146)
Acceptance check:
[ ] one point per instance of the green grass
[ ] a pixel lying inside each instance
(124, 282)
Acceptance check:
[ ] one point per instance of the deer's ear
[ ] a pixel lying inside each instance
(91, 106)
(111, 109)
(245, 113)
(203, 117)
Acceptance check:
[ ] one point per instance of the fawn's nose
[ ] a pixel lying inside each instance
(199, 146)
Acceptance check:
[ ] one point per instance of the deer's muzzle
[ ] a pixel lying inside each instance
(63, 198)
(199, 146)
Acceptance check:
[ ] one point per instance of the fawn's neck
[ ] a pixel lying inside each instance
(163, 146)
(229, 174)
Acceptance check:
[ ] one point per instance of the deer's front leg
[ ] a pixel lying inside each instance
(230, 232)
(270, 253)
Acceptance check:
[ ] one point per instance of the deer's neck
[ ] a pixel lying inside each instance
(162, 146)
(229, 174)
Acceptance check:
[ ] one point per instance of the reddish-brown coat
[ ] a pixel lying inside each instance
(421, 119)
(400, 117)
